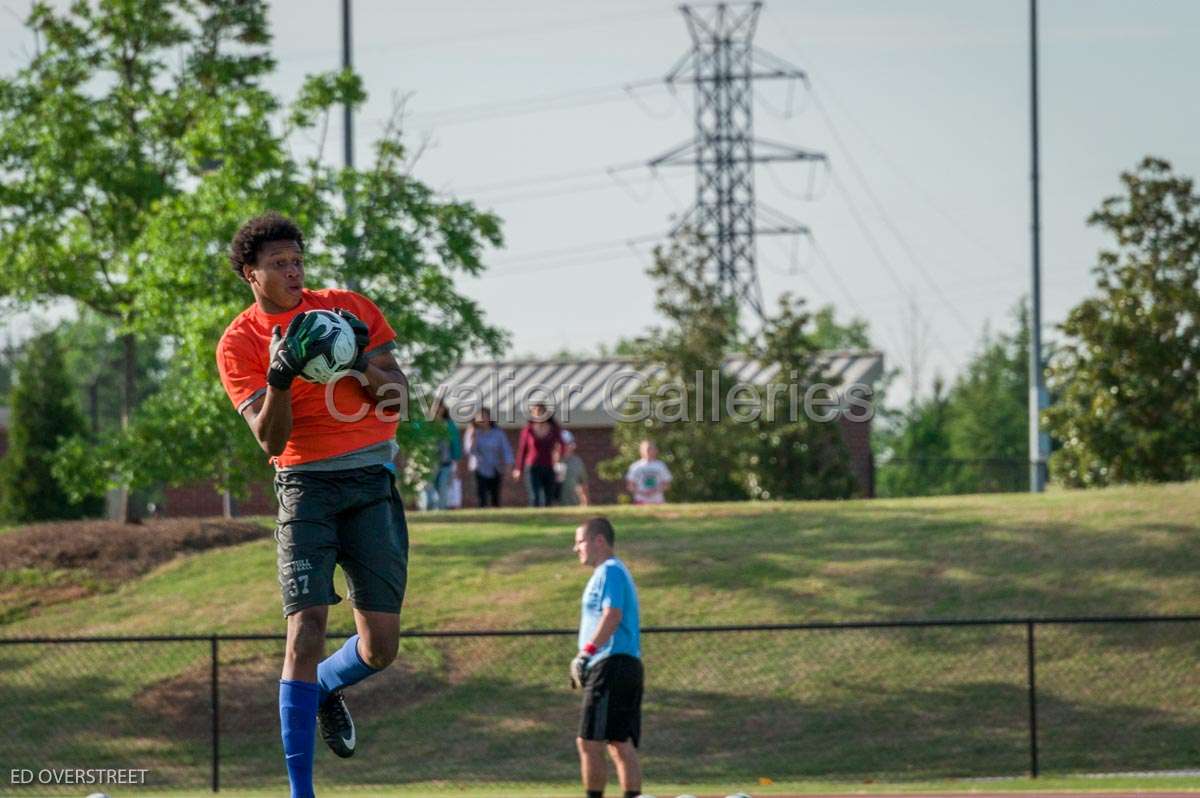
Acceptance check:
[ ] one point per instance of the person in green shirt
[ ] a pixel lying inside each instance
(572, 474)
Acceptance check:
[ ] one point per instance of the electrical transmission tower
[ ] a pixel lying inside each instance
(722, 66)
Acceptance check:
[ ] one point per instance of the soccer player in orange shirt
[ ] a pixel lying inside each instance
(334, 480)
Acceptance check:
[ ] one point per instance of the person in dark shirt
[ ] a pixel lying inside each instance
(538, 450)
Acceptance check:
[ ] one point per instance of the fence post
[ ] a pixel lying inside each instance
(216, 718)
(1033, 729)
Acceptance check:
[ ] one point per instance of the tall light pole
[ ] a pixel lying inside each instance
(1039, 444)
(347, 113)
(348, 125)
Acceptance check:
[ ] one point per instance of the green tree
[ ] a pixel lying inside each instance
(831, 335)
(95, 362)
(916, 450)
(138, 139)
(721, 447)
(94, 135)
(44, 413)
(972, 437)
(795, 456)
(703, 448)
(1127, 379)
(9, 354)
(988, 422)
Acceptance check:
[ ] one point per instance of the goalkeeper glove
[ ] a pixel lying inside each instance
(579, 670)
(290, 353)
(362, 337)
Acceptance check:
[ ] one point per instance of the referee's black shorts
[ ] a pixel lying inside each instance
(612, 700)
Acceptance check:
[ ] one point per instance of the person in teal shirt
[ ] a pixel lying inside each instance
(449, 452)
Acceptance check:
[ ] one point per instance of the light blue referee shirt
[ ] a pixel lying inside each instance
(611, 585)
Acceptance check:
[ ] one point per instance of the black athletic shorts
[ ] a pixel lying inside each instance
(353, 518)
(612, 700)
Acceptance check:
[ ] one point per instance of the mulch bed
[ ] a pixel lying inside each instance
(114, 551)
(91, 556)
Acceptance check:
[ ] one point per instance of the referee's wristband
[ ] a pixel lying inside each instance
(590, 649)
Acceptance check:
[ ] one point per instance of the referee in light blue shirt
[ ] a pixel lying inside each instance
(609, 666)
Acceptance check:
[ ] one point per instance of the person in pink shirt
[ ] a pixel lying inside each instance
(538, 451)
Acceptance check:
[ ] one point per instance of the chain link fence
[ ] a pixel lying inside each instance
(895, 700)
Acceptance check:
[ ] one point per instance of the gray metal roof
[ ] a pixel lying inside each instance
(585, 392)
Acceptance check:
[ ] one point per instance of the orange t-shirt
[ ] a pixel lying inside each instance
(242, 359)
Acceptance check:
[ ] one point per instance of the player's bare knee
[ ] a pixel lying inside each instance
(620, 749)
(590, 747)
(379, 656)
(306, 637)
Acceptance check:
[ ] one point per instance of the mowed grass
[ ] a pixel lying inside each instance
(1127, 551)
(897, 704)
(1099, 787)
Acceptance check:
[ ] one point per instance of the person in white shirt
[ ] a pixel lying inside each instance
(648, 479)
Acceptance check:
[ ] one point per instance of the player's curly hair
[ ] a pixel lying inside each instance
(262, 229)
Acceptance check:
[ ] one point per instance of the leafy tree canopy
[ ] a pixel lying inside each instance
(44, 412)
(706, 427)
(135, 142)
(1127, 379)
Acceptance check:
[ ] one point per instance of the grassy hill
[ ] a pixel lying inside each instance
(906, 704)
(1119, 551)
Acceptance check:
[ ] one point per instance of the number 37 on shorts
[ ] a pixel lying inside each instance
(295, 582)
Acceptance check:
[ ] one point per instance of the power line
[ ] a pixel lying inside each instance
(595, 95)
(525, 30)
(576, 249)
(879, 208)
(553, 177)
(490, 35)
(912, 183)
(555, 266)
(823, 258)
(625, 186)
(873, 243)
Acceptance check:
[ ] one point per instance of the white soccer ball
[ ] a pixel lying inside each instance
(328, 367)
(98, 795)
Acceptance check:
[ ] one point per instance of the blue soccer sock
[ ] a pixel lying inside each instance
(298, 725)
(342, 668)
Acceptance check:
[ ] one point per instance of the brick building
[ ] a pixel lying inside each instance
(588, 396)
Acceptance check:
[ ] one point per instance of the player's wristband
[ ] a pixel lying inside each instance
(590, 649)
(279, 380)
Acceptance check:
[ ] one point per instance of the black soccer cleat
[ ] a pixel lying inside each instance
(337, 727)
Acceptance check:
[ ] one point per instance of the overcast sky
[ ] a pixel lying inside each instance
(921, 105)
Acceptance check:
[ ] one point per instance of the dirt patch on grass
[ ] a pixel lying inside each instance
(180, 707)
(73, 559)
